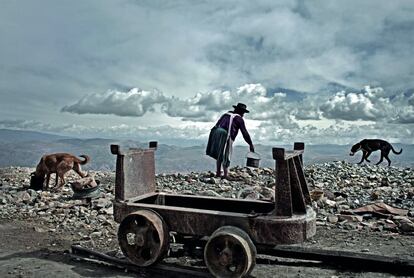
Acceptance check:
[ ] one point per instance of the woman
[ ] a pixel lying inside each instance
(223, 134)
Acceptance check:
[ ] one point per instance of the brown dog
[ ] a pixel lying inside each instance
(58, 163)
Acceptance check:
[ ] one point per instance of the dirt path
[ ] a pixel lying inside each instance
(25, 252)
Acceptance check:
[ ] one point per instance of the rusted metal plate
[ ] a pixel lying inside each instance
(283, 194)
(135, 172)
(298, 200)
(302, 179)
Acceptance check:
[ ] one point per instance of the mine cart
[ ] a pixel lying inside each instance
(235, 230)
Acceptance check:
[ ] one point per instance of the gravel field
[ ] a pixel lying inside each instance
(38, 226)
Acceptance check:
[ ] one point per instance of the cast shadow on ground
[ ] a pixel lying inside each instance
(347, 269)
(90, 269)
(83, 269)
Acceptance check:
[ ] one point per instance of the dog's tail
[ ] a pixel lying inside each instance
(394, 151)
(87, 159)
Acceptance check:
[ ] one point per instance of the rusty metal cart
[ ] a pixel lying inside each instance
(236, 229)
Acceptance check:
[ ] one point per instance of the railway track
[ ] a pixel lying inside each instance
(327, 258)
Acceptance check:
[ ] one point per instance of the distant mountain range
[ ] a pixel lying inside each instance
(24, 148)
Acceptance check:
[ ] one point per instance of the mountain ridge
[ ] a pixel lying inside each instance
(170, 158)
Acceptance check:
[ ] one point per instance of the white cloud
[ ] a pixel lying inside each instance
(198, 54)
(203, 107)
(132, 103)
(406, 115)
(371, 104)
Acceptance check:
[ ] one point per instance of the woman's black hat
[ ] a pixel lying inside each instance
(241, 107)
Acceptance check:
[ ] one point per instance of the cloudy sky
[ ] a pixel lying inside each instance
(318, 71)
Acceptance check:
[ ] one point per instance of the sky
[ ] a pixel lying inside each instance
(322, 72)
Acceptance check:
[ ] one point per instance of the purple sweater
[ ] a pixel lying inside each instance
(238, 123)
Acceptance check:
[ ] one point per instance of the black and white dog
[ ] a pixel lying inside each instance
(367, 146)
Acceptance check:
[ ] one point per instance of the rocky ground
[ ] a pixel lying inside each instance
(339, 190)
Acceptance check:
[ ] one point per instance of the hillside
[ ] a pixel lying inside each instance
(23, 148)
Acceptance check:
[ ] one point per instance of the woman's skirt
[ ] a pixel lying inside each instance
(217, 147)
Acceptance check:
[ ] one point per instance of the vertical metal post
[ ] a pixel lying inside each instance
(298, 201)
(300, 146)
(283, 196)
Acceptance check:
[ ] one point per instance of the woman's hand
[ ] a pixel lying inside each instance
(252, 148)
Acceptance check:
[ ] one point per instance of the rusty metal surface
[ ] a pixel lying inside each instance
(135, 172)
(230, 253)
(291, 190)
(263, 229)
(298, 199)
(143, 237)
(302, 180)
(283, 194)
(287, 220)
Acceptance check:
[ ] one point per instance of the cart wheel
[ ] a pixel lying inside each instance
(230, 253)
(143, 237)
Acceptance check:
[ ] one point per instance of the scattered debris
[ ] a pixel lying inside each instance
(86, 188)
(365, 197)
(341, 194)
(380, 209)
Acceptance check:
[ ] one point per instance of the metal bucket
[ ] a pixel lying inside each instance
(253, 159)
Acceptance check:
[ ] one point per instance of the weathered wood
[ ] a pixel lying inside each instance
(345, 258)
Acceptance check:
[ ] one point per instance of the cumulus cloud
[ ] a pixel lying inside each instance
(211, 48)
(132, 103)
(294, 44)
(371, 104)
(203, 107)
(209, 105)
(411, 100)
(406, 115)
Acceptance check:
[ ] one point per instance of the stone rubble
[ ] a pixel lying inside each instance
(335, 188)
